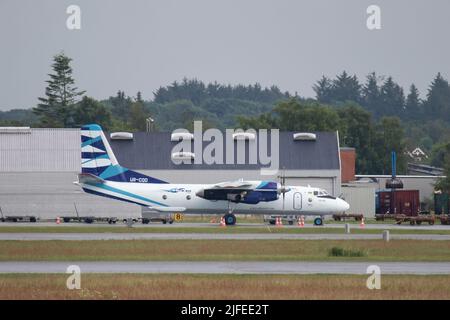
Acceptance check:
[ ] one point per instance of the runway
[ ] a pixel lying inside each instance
(212, 236)
(212, 267)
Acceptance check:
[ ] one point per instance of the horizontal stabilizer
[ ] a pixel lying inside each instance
(89, 178)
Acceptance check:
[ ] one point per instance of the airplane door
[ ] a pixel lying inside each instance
(297, 201)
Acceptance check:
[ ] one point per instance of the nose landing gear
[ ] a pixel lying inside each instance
(318, 221)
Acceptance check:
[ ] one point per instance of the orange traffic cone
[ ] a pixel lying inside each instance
(362, 225)
(222, 222)
(301, 221)
(278, 222)
(58, 220)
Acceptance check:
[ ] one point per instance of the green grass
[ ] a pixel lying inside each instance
(225, 287)
(341, 252)
(212, 229)
(225, 250)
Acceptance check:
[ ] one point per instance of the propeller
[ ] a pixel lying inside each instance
(283, 188)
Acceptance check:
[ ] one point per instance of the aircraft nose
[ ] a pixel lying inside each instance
(345, 206)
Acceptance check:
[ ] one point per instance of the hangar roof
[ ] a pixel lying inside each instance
(154, 151)
(50, 150)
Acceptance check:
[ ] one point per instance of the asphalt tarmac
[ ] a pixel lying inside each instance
(212, 236)
(384, 226)
(212, 267)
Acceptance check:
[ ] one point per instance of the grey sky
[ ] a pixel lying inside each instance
(141, 45)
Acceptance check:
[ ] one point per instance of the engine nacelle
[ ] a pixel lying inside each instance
(234, 197)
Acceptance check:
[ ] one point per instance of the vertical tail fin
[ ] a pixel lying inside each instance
(97, 158)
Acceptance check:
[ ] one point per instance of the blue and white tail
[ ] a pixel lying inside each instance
(97, 158)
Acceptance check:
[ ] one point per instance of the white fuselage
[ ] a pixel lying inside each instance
(297, 201)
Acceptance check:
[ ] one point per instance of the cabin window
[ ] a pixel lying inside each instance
(188, 197)
(164, 197)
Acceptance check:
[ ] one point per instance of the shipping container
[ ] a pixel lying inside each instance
(406, 202)
(441, 203)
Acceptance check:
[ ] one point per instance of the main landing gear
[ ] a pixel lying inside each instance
(230, 219)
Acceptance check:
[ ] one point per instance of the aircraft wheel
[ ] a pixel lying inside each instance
(318, 221)
(230, 219)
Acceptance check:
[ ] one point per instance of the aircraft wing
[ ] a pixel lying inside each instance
(241, 191)
(168, 209)
(234, 185)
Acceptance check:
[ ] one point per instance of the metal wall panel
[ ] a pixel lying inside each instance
(41, 150)
(52, 194)
(361, 199)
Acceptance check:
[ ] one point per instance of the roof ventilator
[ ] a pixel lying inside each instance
(121, 136)
(183, 155)
(305, 136)
(178, 136)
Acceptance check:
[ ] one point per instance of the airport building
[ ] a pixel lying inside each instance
(38, 167)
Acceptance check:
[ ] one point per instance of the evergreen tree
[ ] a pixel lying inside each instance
(438, 99)
(371, 97)
(139, 97)
(89, 110)
(346, 88)
(392, 99)
(412, 105)
(323, 89)
(56, 108)
(121, 105)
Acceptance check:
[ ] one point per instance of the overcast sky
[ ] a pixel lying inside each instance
(139, 45)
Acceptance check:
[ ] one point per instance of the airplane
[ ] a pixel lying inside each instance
(102, 175)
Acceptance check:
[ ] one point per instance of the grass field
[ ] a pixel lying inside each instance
(180, 286)
(212, 229)
(224, 250)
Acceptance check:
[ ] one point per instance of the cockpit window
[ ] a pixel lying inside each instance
(323, 194)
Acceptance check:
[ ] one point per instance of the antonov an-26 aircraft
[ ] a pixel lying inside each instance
(102, 175)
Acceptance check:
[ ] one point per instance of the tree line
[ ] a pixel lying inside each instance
(384, 97)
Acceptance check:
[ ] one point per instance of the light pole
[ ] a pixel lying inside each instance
(150, 124)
